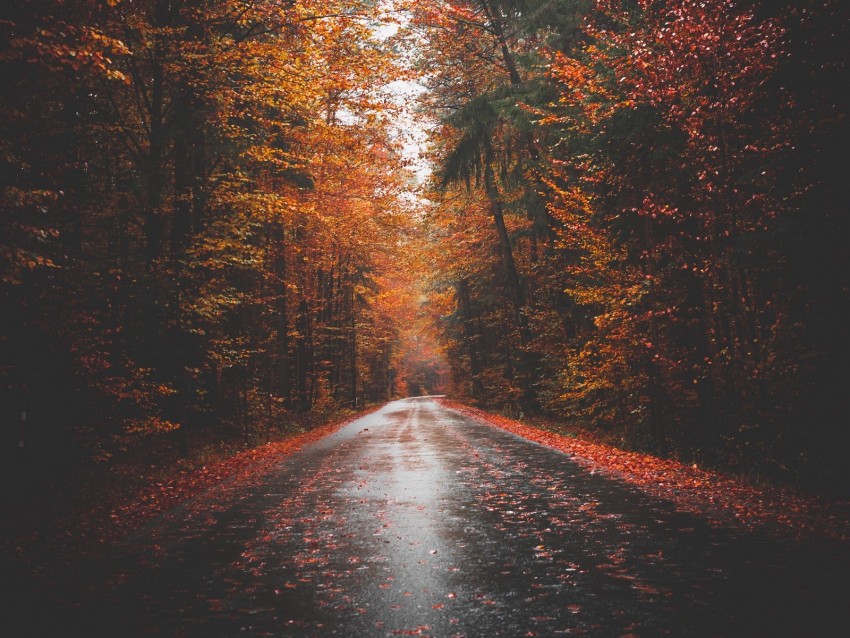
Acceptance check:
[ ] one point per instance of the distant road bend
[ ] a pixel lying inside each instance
(416, 521)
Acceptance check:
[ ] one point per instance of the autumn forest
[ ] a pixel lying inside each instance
(223, 219)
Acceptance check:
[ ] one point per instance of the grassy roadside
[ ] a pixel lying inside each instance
(719, 497)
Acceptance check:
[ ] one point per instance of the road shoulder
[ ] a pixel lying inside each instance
(721, 498)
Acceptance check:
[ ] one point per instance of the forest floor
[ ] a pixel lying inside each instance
(97, 509)
(721, 498)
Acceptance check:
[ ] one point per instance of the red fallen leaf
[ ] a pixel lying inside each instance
(643, 587)
(437, 606)
(451, 595)
(88, 527)
(216, 604)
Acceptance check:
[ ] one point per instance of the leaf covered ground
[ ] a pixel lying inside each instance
(106, 519)
(721, 498)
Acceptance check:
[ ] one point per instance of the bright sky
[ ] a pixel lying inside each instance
(411, 126)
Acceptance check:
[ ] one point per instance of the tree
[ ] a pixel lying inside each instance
(198, 204)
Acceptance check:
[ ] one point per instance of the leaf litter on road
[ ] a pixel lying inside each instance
(721, 498)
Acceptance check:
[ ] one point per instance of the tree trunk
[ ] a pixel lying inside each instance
(303, 355)
(471, 338)
(656, 387)
(157, 142)
(499, 31)
(200, 193)
(279, 248)
(507, 255)
(353, 352)
(181, 220)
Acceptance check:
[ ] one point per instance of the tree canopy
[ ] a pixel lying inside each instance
(636, 220)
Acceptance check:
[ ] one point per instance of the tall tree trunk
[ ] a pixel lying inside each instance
(656, 386)
(279, 247)
(181, 219)
(702, 357)
(353, 350)
(157, 140)
(338, 338)
(303, 355)
(471, 338)
(155, 185)
(200, 186)
(507, 255)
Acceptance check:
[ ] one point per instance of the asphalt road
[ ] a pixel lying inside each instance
(417, 521)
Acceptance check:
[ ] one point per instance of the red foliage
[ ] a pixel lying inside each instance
(721, 498)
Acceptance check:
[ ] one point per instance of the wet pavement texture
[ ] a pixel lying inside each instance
(416, 521)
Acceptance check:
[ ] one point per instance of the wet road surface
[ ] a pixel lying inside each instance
(416, 521)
